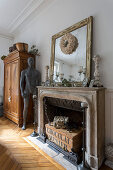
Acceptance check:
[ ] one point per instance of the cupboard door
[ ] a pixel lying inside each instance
(7, 88)
(15, 89)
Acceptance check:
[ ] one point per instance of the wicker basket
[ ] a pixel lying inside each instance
(65, 139)
(22, 47)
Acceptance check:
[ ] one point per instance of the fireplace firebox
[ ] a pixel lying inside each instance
(66, 138)
(63, 107)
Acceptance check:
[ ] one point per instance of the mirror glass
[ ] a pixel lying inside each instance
(71, 53)
(71, 66)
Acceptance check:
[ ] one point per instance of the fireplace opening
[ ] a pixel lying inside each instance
(63, 108)
(63, 121)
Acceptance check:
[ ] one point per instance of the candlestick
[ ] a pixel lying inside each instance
(96, 82)
(47, 68)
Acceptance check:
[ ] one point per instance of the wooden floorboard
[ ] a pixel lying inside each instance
(18, 154)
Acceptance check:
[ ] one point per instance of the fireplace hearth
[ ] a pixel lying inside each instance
(66, 102)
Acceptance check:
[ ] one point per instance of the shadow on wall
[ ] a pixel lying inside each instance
(1, 104)
(1, 99)
(1, 94)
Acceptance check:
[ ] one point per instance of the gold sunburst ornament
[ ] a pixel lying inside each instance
(68, 43)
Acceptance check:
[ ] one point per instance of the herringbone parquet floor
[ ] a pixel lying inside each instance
(17, 154)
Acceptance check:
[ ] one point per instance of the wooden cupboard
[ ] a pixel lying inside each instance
(14, 63)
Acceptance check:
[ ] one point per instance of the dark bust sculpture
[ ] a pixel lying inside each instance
(30, 78)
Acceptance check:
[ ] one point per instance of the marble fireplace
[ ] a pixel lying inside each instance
(95, 118)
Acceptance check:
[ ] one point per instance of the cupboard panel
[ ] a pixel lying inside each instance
(7, 88)
(14, 87)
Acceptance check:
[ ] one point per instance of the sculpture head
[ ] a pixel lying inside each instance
(30, 62)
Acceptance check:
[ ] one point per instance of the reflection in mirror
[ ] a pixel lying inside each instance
(71, 66)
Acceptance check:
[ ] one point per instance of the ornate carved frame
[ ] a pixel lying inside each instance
(89, 23)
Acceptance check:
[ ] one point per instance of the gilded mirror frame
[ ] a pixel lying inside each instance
(89, 22)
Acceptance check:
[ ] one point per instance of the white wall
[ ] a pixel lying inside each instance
(61, 14)
(64, 13)
(4, 49)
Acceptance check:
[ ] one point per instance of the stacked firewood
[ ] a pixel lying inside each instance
(66, 140)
